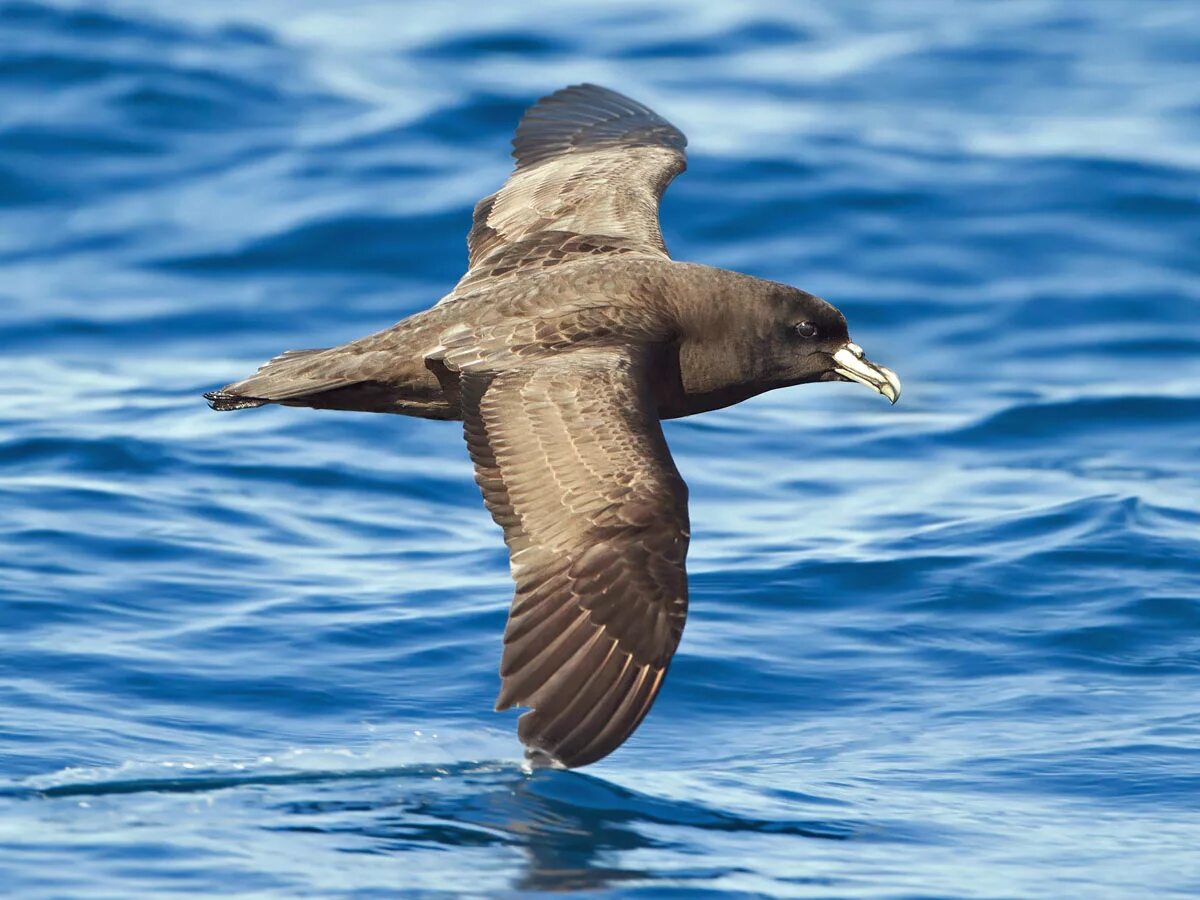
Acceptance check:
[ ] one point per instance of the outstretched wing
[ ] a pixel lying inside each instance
(592, 166)
(571, 458)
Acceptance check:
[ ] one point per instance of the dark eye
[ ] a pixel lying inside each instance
(806, 330)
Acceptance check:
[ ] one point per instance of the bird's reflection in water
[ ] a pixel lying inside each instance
(557, 830)
(573, 829)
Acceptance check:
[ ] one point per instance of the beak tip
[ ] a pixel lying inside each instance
(891, 386)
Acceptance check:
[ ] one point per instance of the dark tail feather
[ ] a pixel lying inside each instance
(223, 400)
(275, 380)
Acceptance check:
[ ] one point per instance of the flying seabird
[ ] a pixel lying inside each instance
(571, 335)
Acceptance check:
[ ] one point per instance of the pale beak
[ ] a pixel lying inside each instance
(850, 365)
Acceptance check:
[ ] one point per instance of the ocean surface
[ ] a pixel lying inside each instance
(946, 649)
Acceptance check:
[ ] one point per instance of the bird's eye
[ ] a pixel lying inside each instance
(806, 330)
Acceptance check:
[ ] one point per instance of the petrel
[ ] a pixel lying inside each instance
(570, 337)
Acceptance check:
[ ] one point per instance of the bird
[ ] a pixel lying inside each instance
(569, 339)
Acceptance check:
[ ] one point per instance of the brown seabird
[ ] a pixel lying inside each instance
(571, 335)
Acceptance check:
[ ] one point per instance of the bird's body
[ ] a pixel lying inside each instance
(581, 303)
(569, 338)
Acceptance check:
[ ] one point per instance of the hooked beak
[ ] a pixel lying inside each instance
(850, 365)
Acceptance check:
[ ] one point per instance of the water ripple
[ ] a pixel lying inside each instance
(945, 649)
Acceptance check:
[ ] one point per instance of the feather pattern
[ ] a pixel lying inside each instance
(571, 460)
(592, 166)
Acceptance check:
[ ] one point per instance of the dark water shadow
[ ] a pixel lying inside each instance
(575, 829)
(572, 830)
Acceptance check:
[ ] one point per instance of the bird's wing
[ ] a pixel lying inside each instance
(592, 166)
(571, 459)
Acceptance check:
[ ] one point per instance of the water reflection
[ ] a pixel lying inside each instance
(574, 831)
(567, 831)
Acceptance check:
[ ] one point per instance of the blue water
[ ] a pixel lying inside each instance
(945, 649)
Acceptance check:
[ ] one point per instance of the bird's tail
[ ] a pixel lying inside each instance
(225, 399)
(285, 377)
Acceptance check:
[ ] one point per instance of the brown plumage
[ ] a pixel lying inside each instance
(570, 336)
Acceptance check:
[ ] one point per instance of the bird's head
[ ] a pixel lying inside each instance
(807, 340)
(755, 335)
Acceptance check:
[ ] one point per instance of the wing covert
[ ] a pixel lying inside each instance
(590, 162)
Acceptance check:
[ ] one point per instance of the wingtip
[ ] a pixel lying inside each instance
(584, 117)
(581, 86)
(540, 759)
